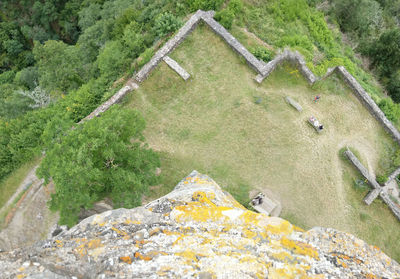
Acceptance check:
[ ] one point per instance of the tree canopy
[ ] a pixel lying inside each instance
(103, 157)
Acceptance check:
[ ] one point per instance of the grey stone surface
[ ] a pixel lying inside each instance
(204, 234)
(176, 67)
(293, 103)
(393, 206)
(371, 196)
(393, 175)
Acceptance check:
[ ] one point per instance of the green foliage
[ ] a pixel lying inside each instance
(381, 179)
(236, 6)
(385, 52)
(7, 77)
(225, 17)
(112, 59)
(27, 77)
(104, 156)
(393, 86)
(361, 17)
(262, 53)
(204, 5)
(60, 67)
(166, 23)
(133, 39)
(391, 110)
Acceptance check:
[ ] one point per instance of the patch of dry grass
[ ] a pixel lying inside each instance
(245, 136)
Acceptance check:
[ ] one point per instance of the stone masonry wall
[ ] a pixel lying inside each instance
(367, 101)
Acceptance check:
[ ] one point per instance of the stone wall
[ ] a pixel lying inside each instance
(235, 44)
(117, 97)
(367, 101)
(288, 56)
(393, 206)
(353, 159)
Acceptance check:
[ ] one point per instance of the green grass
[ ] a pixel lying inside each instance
(9, 185)
(245, 136)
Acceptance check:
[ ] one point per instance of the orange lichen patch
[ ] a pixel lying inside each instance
(370, 276)
(20, 276)
(164, 271)
(346, 258)
(299, 248)
(21, 269)
(59, 243)
(295, 228)
(126, 259)
(92, 244)
(142, 257)
(121, 233)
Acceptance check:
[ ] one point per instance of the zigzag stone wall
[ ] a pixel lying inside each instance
(287, 56)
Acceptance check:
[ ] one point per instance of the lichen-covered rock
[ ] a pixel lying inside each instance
(196, 231)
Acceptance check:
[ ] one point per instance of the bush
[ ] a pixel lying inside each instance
(381, 179)
(103, 157)
(7, 77)
(225, 17)
(391, 110)
(236, 6)
(27, 77)
(204, 5)
(262, 53)
(166, 23)
(112, 60)
(393, 86)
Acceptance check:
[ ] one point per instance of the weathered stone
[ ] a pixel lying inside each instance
(206, 234)
(176, 67)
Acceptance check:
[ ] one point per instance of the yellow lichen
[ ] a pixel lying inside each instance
(299, 248)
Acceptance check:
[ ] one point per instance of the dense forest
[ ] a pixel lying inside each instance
(60, 59)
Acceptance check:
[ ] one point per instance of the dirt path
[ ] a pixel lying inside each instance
(26, 183)
(31, 220)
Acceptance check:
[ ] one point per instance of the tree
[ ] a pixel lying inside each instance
(385, 52)
(60, 67)
(105, 156)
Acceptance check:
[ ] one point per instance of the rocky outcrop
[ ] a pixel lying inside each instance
(196, 231)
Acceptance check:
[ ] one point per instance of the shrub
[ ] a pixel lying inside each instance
(391, 110)
(393, 86)
(166, 23)
(7, 77)
(103, 157)
(112, 59)
(262, 53)
(205, 5)
(381, 179)
(27, 77)
(236, 6)
(225, 17)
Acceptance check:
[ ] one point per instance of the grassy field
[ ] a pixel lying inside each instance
(245, 136)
